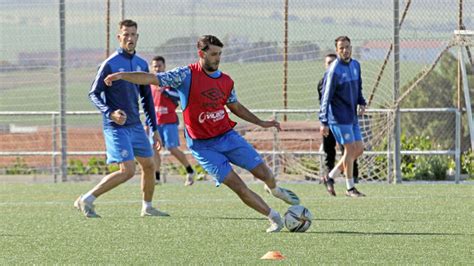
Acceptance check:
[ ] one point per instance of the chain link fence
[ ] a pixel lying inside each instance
(275, 65)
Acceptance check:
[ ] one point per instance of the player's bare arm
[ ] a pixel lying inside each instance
(140, 78)
(241, 111)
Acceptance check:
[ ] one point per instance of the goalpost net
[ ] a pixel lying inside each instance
(253, 34)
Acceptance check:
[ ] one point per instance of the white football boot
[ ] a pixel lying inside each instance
(150, 211)
(86, 208)
(189, 179)
(276, 224)
(284, 194)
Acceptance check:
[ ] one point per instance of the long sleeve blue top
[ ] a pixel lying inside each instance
(342, 92)
(122, 94)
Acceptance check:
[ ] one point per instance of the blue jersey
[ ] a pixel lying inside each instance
(122, 94)
(180, 79)
(342, 92)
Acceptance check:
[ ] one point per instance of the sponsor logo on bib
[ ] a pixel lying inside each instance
(213, 116)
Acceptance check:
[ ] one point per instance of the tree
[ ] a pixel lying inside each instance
(438, 89)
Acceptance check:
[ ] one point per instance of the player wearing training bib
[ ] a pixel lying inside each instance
(205, 92)
(166, 101)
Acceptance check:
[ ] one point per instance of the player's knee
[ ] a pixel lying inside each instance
(348, 148)
(128, 172)
(149, 167)
(127, 166)
(262, 172)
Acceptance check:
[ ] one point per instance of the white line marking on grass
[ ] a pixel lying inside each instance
(311, 199)
(105, 202)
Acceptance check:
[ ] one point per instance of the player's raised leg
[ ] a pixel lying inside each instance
(254, 201)
(242, 154)
(263, 173)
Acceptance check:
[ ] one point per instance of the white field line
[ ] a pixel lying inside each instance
(121, 202)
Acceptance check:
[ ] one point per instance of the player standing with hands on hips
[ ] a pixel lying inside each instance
(125, 138)
(342, 94)
(205, 91)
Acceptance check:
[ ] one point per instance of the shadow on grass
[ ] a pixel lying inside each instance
(239, 218)
(387, 233)
(360, 220)
(314, 220)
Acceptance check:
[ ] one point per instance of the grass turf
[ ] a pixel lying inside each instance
(395, 224)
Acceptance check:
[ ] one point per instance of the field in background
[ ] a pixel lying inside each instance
(158, 21)
(252, 81)
(403, 224)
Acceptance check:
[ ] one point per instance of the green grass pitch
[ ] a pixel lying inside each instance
(395, 224)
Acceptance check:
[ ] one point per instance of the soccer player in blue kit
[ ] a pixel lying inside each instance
(329, 142)
(205, 91)
(125, 138)
(342, 94)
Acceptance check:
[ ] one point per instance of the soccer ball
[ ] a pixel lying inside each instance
(298, 218)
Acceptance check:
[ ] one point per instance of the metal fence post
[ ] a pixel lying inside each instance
(54, 145)
(389, 151)
(62, 88)
(274, 144)
(396, 90)
(122, 9)
(457, 143)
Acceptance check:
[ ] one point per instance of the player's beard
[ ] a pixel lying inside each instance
(210, 67)
(347, 57)
(130, 48)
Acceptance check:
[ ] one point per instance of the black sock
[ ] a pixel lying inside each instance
(157, 176)
(189, 169)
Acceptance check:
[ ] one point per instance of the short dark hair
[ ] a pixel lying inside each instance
(331, 55)
(159, 58)
(206, 40)
(341, 39)
(128, 23)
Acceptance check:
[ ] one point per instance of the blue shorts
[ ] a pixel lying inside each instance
(124, 143)
(169, 135)
(216, 154)
(346, 133)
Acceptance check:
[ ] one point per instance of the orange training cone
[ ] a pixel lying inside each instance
(273, 255)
